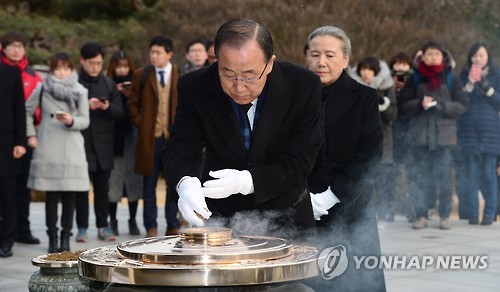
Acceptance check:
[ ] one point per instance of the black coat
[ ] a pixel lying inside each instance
(353, 143)
(99, 135)
(285, 140)
(12, 119)
(352, 146)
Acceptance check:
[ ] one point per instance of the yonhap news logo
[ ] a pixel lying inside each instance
(333, 262)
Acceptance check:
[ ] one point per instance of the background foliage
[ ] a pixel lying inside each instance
(378, 28)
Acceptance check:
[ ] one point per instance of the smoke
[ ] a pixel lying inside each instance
(272, 223)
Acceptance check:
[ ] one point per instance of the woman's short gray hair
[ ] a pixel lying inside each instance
(330, 30)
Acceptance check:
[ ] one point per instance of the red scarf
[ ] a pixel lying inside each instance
(432, 73)
(21, 65)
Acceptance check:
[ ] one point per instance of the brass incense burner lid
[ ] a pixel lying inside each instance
(200, 257)
(209, 245)
(206, 236)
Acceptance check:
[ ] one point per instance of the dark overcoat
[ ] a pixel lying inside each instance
(99, 135)
(352, 146)
(12, 119)
(143, 109)
(284, 145)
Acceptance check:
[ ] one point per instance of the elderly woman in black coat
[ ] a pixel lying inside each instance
(351, 131)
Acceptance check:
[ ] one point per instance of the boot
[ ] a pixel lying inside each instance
(132, 226)
(64, 241)
(114, 226)
(52, 241)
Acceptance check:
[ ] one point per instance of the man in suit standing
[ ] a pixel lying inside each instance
(12, 148)
(151, 106)
(258, 120)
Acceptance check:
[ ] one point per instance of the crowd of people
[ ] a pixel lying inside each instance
(238, 133)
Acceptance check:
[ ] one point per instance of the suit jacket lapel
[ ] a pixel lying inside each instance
(339, 104)
(273, 110)
(223, 115)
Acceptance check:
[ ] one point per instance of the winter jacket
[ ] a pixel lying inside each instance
(435, 126)
(59, 162)
(99, 135)
(30, 78)
(478, 127)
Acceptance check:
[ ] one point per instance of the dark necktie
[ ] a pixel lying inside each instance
(244, 109)
(162, 78)
(246, 130)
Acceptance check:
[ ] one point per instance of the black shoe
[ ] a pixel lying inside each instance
(473, 221)
(113, 224)
(132, 226)
(27, 238)
(64, 242)
(53, 244)
(487, 221)
(5, 252)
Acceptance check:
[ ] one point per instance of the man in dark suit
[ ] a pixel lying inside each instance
(256, 159)
(352, 133)
(12, 148)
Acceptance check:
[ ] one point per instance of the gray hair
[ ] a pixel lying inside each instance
(238, 32)
(333, 31)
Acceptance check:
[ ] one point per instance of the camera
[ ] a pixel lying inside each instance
(400, 75)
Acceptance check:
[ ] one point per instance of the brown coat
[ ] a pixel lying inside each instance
(143, 108)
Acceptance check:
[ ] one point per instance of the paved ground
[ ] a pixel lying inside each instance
(396, 239)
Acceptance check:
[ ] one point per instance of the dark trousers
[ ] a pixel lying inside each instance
(8, 224)
(23, 195)
(68, 203)
(480, 168)
(100, 182)
(150, 212)
(430, 167)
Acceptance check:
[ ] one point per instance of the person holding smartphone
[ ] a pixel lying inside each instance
(124, 182)
(106, 107)
(59, 165)
(478, 133)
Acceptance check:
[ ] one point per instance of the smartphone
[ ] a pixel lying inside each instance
(127, 84)
(475, 71)
(60, 112)
(401, 78)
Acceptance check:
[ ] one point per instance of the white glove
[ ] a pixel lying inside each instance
(383, 107)
(228, 182)
(192, 202)
(322, 202)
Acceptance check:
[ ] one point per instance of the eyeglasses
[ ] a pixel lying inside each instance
(247, 80)
(95, 63)
(15, 46)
